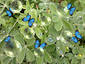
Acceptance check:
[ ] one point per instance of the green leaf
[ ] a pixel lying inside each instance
(47, 57)
(65, 61)
(33, 13)
(13, 61)
(38, 33)
(20, 55)
(30, 56)
(82, 2)
(58, 24)
(2, 56)
(68, 26)
(27, 5)
(82, 61)
(52, 31)
(17, 8)
(69, 55)
(64, 3)
(6, 60)
(9, 53)
(18, 45)
(53, 8)
(51, 50)
(18, 36)
(75, 61)
(30, 42)
(61, 48)
(39, 60)
(75, 50)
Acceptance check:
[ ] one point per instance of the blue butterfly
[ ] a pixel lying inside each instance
(77, 34)
(72, 10)
(31, 21)
(42, 45)
(69, 6)
(9, 12)
(37, 44)
(27, 18)
(74, 39)
(7, 39)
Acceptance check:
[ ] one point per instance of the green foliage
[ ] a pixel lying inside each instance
(30, 56)
(53, 25)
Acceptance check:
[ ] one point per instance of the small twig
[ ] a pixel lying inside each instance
(61, 32)
(2, 11)
(13, 26)
(4, 6)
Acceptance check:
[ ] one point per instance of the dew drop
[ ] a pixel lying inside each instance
(61, 52)
(50, 39)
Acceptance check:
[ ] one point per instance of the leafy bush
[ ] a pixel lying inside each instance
(53, 25)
